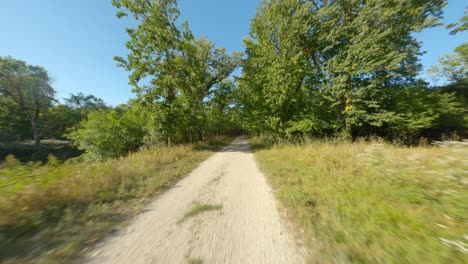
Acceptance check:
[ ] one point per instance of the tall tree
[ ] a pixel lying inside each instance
(454, 66)
(178, 70)
(14, 124)
(223, 109)
(345, 52)
(82, 105)
(28, 87)
(81, 101)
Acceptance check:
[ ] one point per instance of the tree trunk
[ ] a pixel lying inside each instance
(36, 130)
(348, 130)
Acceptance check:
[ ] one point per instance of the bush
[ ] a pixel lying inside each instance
(109, 134)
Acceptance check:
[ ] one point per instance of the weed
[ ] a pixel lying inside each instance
(195, 261)
(198, 209)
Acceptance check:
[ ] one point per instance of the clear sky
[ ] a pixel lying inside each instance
(76, 40)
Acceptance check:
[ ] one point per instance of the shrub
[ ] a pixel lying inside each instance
(109, 134)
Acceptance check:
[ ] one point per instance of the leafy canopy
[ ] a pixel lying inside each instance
(172, 72)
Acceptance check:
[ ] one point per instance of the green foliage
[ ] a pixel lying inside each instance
(179, 70)
(461, 25)
(453, 103)
(25, 102)
(407, 113)
(222, 109)
(14, 124)
(110, 134)
(320, 67)
(25, 89)
(453, 66)
(57, 120)
(16, 176)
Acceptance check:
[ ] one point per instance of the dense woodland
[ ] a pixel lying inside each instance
(344, 69)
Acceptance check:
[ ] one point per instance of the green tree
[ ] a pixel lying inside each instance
(82, 105)
(452, 66)
(201, 69)
(223, 110)
(108, 134)
(178, 70)
(14, 125)
(81, 101)
(277, 78)
(59, 120)
(327, 64)
(28, 87)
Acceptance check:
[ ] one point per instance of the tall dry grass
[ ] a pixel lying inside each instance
(50, 213)
(373, 202)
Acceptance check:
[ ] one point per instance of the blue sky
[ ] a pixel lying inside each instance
(76, 40)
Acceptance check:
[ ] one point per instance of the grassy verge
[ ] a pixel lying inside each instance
(52, 213)
(373, 203)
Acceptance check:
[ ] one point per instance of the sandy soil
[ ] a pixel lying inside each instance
(247, 229)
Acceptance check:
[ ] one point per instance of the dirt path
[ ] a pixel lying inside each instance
(222, 212)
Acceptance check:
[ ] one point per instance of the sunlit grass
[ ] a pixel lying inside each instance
(373, 202)
(48, 214)
(198, 209)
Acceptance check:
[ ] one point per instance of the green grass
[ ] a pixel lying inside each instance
(198, 209)
(195, 261)
(54, 213)
(373, 203)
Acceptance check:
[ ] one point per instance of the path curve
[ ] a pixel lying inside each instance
(246, 229)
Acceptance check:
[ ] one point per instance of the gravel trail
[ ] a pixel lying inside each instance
(222, 212)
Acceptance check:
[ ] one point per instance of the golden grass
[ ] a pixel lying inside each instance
(373, 202)
(49, 214)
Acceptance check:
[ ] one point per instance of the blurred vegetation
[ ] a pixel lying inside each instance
(311, 69)
(370, 202)
(51, 213)
(25, 151)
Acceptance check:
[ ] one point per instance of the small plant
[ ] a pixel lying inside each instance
(195, 261)
(198, 209)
